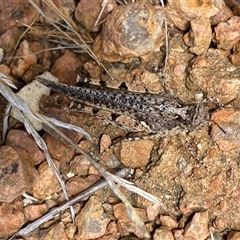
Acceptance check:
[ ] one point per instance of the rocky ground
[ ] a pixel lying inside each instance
(195, 174)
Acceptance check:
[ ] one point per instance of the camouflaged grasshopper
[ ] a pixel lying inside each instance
(152, 113)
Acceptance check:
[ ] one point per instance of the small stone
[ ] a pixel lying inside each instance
(191, 206)
(91, 221)
(105, 143)
(179, 70)
(19, 138)
(77, 184)
(199, 42)
(66, 217)
(137, 153)
(70, 230)
(198, 227)
(152, 210)
(11, 218)
(23, 11)
(7, 71)
(79, 165)
(178, 234)
(32, 212)
(9, 39)
(163, 233)
(56, 232)
(58, 150)
(227, 34)
(85, 145)
(168, 222)
(26, 59)
(87, 13)
(112, 229)
(125, 225)
(131, 30)
(47, 183)
(222, 16)
(17, 174)
(181, 12)
(64, 68)
(152, 82)
(226, 131)
(93, 171)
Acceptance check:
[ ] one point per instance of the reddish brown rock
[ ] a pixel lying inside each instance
(196, 203)
(163, 233)
(151, 209)
(199, 42)
(17, 174)
(179, 70)
(65, 67)
(20, 139)
(181, 12)
(11, 218)
(79, 165)
(93, 171)
(84, 145)
(47, 183)
(233, 236)
(91, 221)
(32, 212)
(70, 230)
(137, 153)
(125, 225)
(131, 30)
(226, 131)
(178, 234)
(56, 232)
(112, 229)
(25, 61)
(9, 39)
(222, 16)
(87, 12)
(77, 184)
(235, 57)
(227, 34)
(7, 71)
(23, 11)
(197, 229)
(105, 143)
(151, 81)
(58, 150)
(168, 222)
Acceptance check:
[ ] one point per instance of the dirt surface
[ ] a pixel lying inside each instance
(195, 174)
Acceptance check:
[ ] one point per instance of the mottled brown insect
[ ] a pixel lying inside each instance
(153, 113)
